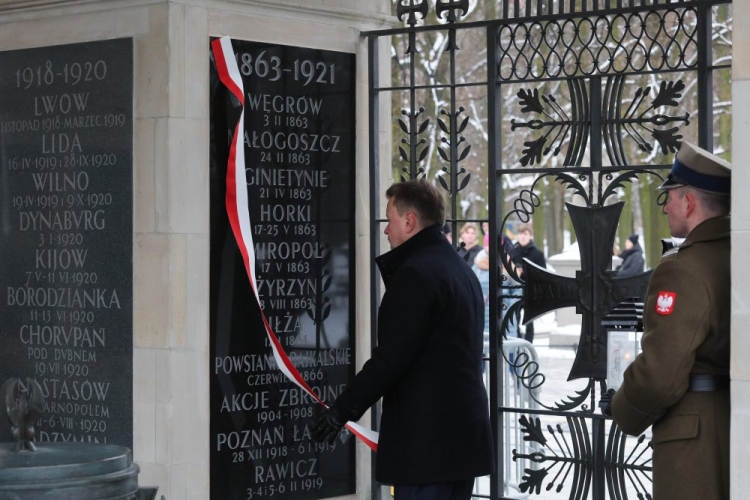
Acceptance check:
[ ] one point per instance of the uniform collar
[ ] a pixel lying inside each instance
(389, 262)
(708, 230)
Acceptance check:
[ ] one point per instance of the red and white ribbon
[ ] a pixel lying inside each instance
(239, 218)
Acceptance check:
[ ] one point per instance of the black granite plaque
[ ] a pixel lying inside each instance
(66, 206)
(299, 154)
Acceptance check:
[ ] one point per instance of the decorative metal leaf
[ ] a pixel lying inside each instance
(404, 156)
(668, 94)
(326, 255)
(442, 126)
(403, 126)
(327, 280)
(575, 401)
(443, 154)
(465, 153)
(443, 183)
(573, 184)
(532, 428)
(533, 152)
(423, 153)
(512, 316)
(403, 179)
(326, 310)
(530, 101)
(532, 480)
(668, 139)
(618, 182)
(463, 125)
(423, 127)
(464, 182)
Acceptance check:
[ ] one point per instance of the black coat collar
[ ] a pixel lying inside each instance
(389, 262)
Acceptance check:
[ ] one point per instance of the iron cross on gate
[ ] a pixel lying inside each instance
(594, 292)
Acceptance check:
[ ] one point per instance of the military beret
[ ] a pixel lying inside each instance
(700, 169)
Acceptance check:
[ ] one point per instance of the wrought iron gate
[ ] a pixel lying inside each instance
(601, 93)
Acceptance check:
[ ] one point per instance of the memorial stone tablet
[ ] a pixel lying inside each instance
(299, 161)
(66, 209)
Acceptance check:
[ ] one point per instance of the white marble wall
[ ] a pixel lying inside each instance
(740, 368)
(171, 197)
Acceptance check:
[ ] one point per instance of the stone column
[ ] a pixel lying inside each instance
(740, 366)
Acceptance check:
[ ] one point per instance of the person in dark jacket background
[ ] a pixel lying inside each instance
(470, 248)
(526, 249)
(435, 436)
(632, 258)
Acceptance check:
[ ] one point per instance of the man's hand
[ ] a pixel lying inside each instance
(331, 421)
(327, 426)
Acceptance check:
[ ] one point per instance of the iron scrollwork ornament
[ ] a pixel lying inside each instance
(560, 128)
(555, 120)
(574, 453)
(649, 120)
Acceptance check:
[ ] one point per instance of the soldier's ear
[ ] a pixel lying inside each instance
(690, 201)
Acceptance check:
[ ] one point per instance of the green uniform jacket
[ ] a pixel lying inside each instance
(688, 334)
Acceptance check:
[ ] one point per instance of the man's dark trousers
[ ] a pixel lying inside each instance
(455, 490)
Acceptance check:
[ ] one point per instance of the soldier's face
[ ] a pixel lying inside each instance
(676, 210)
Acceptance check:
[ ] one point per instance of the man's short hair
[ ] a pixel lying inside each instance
(469, 225)
(713, 205)
(420, 197)
(525, 228)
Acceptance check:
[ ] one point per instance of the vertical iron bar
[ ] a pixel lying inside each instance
(705, 78)
(495, 188)
(453, 139)
(596, 121)
(599, 484)
(374, 145)
(412, 105)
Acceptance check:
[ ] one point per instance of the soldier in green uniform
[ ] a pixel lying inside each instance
(680, 381)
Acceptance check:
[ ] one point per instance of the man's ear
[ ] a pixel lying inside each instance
(411, 222)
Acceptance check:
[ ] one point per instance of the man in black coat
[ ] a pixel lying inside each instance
(526, 249)
(435, 431)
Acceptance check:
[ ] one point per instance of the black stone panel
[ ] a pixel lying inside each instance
(299, 145)
(66, 209)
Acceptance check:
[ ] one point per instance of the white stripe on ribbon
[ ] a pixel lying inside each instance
(239, 218)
